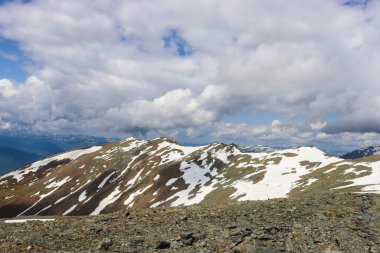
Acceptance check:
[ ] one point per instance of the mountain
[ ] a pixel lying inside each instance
(18, 149)
(360, 153)
(12, 158)
(160, 172)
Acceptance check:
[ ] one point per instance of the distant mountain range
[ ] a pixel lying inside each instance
(365, 152)
(13, 158)
(18, 149)
(160, 172)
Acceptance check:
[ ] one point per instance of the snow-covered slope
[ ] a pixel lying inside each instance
(159, 172)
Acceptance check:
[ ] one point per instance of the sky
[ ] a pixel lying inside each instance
(279, 73)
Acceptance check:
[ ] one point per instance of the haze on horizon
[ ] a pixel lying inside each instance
(250, 72)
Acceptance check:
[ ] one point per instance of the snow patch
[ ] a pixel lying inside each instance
(60, 199)
(311, 181)
(72, 155)
(105, 180)
(171, 181)
(25, 220)
(70, 209)
(277, 182)
(370, 183)
(194, 176)
(133, 144)
(130, 200)
(352, 170)
(82, 196)
(134, 179)
(115, 195)
(59, 183)
(43, 209)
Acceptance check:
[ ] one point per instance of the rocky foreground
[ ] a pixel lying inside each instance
(327, 223)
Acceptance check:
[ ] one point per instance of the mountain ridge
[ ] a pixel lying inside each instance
(364, 152)
(160, 172)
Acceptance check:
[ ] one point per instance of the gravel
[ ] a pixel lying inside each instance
(328, 223)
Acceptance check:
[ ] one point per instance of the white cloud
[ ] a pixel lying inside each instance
(176, 108)
(285, 134)
(103, 66)
(6, 88)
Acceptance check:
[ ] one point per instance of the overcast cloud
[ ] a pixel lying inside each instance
(180, 67)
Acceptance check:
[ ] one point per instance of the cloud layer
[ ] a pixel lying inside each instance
(179, 67)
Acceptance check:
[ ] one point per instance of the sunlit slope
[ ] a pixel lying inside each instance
(160, 172)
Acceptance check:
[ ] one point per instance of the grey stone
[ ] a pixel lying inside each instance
(104, 244)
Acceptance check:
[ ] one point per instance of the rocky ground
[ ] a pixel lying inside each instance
(328, 223)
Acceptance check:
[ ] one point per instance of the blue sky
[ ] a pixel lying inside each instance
(250, 72)
(174, 40)
(354, 3)
(12, 61)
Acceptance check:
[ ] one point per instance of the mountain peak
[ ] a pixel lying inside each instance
(160, 172)
(165, 139)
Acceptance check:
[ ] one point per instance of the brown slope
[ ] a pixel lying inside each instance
(134, 173)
